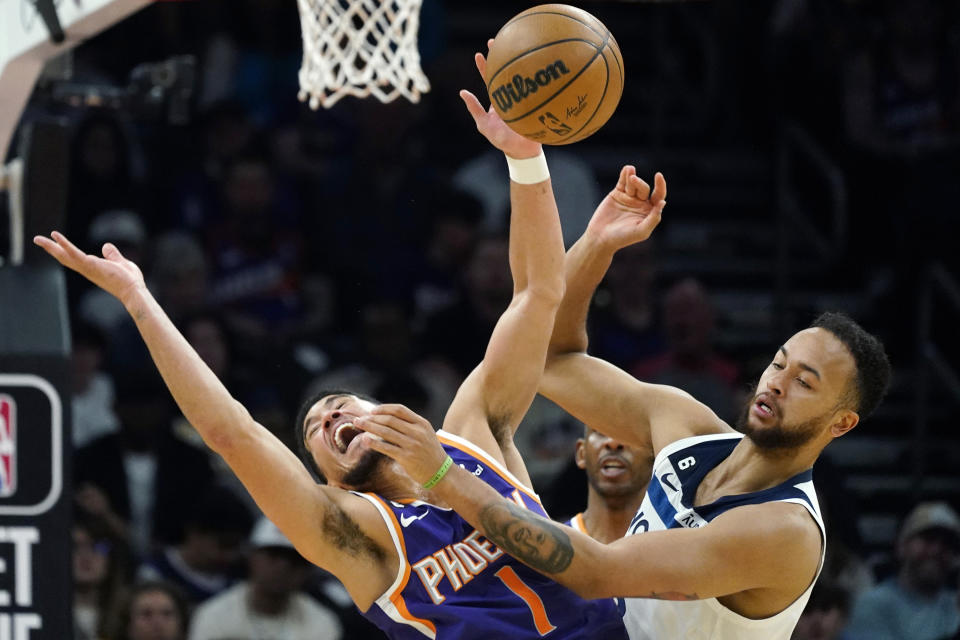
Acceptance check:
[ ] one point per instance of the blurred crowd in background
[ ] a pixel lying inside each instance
(364, 247)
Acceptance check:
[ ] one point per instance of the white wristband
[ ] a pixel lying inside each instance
(528, 170)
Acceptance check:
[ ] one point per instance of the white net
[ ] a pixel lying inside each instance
(358, 48)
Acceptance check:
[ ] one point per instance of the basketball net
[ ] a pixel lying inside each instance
(358, 48)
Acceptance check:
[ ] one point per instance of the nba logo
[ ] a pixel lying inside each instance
(8, 446)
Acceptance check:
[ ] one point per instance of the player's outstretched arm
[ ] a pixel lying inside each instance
(304, 510)
(497, 394)
(773, 547)
(627, 215)
(594, 391)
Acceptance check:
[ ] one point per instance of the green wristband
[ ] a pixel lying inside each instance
(438, 476)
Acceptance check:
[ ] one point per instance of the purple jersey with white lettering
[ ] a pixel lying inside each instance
(455, 584)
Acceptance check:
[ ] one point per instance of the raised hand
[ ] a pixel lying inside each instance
(113, 273)
(491, 125)
(406, 437)
(630, 212)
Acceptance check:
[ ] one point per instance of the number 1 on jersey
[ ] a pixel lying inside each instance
(513, 582)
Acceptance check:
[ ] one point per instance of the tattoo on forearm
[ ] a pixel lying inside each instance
(673, 595)
(527, 537)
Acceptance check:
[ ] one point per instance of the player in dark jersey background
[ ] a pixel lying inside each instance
(417, 569)
(617, 476)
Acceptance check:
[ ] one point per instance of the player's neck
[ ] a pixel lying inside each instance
(750, 468)
(607, 519)
(393, 483)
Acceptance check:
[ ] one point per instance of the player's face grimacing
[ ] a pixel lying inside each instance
(341, 450)
(801, 393)
(612, 467)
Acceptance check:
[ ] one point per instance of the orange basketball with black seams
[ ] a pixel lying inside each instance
(554, 74)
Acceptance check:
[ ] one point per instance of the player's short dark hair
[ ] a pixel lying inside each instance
(870, 358)
(299, 426)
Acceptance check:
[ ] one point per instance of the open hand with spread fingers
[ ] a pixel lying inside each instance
(630, 212)
(113, 273)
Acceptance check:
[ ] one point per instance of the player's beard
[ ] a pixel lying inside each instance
(780, 436)
(361, 475)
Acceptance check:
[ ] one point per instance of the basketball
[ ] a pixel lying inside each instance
(554, 74)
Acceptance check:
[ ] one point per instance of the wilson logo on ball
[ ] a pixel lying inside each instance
(512, 93)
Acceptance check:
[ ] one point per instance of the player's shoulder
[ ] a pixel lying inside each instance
(471, 452)
(689, 428)
(776, 542)
(357, 541)
(675, 413)
(787, 526)
(356, 524)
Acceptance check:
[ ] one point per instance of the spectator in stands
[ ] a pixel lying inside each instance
(206, 560)
(902, 93)
(825, 614)
(252, 56)
(691, 362)
(177, 275)
(624, 327)
(125, 229)
(270, 603)
(388, 354)
(92, 397)
(256, 251)
(574, 184)
(208, 334)
(902, 103)
(105, 171)
(151, 611)
(806, 38)
(918, 603)
(100, 565)
(223, 132)
(459, 332)
(454, 228)
(142, 478)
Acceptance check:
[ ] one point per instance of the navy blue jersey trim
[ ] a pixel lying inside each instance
(708, 455)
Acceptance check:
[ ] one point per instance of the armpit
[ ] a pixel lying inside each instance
(345, 534)
(500, 427)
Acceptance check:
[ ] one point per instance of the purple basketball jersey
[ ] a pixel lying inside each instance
(454, 583)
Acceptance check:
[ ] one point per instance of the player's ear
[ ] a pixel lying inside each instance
(578, 455)
(845, 420)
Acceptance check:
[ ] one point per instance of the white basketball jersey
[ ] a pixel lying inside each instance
(668, 504)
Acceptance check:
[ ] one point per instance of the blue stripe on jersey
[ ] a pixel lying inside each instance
(784, 491)
(661, 504)
(703, 456)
